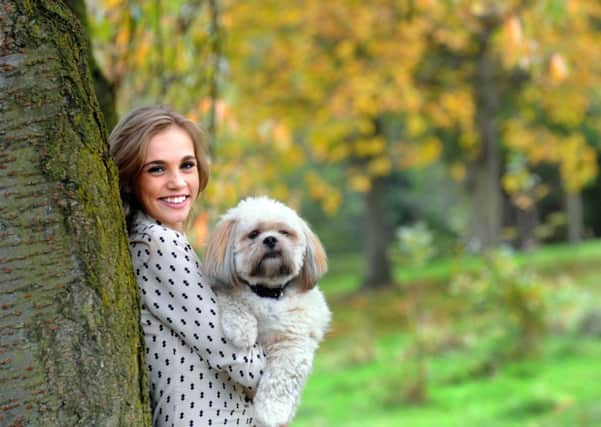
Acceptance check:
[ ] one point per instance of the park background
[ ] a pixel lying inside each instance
(447, 154)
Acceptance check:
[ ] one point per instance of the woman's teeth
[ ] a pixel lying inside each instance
(178, 199)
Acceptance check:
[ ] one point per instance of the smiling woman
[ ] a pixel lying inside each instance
(197, 377)
(156, 142)
(168, 184)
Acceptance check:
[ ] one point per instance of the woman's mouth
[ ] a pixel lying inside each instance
(175, 201)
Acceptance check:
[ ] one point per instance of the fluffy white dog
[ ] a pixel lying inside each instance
(264, 262)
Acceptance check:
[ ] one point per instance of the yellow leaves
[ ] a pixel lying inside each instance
(566, 107)
(459, 104)
(345, 49)
(281, 137)
(380, 166)
(455, 108)
(578, 162)
(420, 154)
(458, 171)
(110, 4)
(122, 38)
(142, 52)
(359, 183)
(576, 159)
(513, 182)
(537, 143)
(416, 125)
(369, 147)
(330, 197)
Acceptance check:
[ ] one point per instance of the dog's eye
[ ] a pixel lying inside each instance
(285, 232)
(253, 234)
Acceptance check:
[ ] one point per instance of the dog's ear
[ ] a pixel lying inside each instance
(315, 264)
(218, 263)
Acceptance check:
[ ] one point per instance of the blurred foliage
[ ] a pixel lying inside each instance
(468, 362)
(516, 295)
(310, 102)
(415, 244)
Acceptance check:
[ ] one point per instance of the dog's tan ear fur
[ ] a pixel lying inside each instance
(218, 263)
(315, 264)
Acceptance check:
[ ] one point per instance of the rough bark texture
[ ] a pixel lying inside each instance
(377, 237)
(486, 170)
(70, 347)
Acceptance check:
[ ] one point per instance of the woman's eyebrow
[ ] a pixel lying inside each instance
(162, 162)
(154, 162)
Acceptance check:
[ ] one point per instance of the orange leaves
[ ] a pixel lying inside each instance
(558, 68)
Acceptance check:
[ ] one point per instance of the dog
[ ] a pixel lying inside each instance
(264, 262)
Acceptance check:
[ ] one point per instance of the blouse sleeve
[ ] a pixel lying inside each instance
(169, 277)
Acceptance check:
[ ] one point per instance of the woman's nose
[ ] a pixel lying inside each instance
(176, 180)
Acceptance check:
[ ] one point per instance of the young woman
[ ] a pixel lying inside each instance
(197, 378)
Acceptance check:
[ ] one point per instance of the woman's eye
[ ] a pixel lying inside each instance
(154, 170)
(188, 165)
(253, 234)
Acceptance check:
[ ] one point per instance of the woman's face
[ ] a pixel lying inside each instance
(167, 186)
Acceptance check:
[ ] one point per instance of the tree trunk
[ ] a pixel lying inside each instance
(526, 223)
(106, 92)
(69, 318)
(485, 176)
(574, 209)
(377, 237)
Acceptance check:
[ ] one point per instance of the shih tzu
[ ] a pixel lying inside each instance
(264, 262)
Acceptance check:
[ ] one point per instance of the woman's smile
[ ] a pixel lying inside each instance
(176, 202)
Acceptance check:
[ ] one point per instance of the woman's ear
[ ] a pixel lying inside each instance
(316, 261)
(218, 262)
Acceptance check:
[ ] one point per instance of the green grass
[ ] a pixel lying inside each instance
(345, 271)
(363, 369)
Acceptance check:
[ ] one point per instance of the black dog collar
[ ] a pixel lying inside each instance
(266, 291)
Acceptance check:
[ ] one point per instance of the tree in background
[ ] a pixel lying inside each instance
(557, 115)
(334, 83)
(160, 52)
(504, 67)
(105, 90)
(70, 344)
(331, 99)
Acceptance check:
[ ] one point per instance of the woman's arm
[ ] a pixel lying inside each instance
(169, 278)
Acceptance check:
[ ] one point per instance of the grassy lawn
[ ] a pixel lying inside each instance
(364, 371)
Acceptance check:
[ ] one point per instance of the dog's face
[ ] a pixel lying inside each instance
(263, 241)
(269, 251)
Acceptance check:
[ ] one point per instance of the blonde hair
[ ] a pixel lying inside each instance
(129, 143)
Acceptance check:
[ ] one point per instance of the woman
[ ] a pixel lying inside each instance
(197, 378)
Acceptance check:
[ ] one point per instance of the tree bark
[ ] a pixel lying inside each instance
(485, 174)
(574, 209)
(70, 343)
(377, 235)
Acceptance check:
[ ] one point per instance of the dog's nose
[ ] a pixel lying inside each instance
(270, 242)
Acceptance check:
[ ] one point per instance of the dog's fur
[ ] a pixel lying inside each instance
(262, 241)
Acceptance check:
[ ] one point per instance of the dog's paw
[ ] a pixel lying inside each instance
(273, 413)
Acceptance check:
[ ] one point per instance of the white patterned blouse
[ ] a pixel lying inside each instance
(197, 378)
